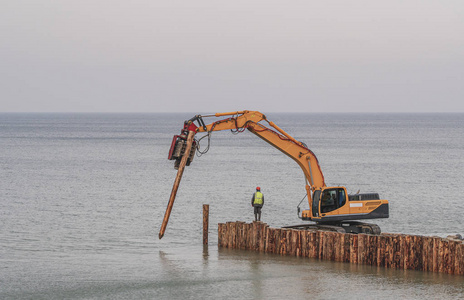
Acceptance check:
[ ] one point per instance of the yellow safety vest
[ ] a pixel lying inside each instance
(258, 198)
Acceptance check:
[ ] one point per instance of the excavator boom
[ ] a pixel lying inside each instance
(278, 138)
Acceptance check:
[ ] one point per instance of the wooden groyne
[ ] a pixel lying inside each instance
(398, 251)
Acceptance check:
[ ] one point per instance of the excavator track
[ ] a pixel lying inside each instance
(317, 227)
(361, 227)
(342, 227)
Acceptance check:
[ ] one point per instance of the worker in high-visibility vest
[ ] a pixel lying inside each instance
(257, 202)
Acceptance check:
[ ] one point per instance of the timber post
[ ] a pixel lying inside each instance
(205, 223)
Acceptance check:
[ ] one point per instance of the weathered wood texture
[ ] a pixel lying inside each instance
(398, 251)
(205, 223)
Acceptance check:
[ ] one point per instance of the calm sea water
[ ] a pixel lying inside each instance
(83, 197)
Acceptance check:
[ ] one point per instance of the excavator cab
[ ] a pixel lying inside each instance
(333, 204)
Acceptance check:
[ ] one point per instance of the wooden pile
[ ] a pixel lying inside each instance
(399, 251)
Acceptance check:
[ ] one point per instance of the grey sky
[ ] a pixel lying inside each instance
(215, 56)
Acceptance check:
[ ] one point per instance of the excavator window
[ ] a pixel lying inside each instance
(341, 197)
(316, 198)
(332, 199)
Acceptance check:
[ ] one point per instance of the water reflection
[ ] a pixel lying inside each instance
(272, 275)
(205, 258)
(205, 253)
(256, 274)
(168, 266)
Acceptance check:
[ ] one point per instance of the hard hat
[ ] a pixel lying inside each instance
(258, 188)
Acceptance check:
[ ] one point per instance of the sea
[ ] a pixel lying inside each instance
(82, 198)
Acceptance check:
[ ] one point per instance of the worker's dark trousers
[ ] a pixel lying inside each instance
(258, 213)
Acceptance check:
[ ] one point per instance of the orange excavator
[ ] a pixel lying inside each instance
(330, 208)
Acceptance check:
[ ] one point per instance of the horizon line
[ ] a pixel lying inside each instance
(196, 112)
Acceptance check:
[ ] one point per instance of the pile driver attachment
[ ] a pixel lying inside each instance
(177, 150)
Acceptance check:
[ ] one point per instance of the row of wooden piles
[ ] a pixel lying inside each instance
(399, 251)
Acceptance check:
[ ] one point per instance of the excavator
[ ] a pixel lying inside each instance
(330, 207)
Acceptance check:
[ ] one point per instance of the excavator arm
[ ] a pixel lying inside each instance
(276, 137)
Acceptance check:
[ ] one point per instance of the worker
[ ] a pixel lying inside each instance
(257, 202)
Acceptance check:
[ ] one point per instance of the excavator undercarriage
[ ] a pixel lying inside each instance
(342, 227)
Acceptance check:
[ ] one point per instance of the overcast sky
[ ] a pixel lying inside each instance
(216, 56)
